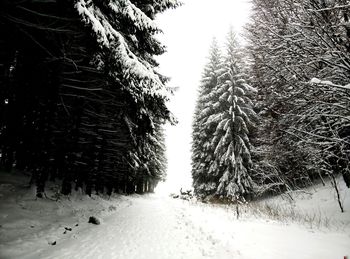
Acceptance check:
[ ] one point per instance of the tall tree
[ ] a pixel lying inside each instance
(221, 160)
(205, 180)
(235, 115)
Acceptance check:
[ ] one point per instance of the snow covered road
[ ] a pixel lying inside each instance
(158, 227)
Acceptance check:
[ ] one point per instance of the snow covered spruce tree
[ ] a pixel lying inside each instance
(205, 181)
(95, 96)
(223, 116)
(234, 115)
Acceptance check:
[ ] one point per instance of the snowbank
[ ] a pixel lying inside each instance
(317, 202)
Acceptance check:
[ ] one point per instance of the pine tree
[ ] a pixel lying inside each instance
(234, 110)
(204, 179)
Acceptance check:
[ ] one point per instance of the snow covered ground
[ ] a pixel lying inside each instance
(154, 226)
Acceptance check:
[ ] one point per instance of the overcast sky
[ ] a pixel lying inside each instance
(188, 33)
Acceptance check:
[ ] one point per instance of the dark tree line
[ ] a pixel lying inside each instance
(80, 97)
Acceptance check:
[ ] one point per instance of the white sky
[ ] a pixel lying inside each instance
(188, 33)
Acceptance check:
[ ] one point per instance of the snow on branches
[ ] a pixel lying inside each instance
(329, 83)
(144, 80)
(221, 145)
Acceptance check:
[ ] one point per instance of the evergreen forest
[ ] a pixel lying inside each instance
(80, 96)
(272, 114)
(82, 101)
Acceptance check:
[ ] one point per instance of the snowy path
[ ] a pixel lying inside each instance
(146, 228)
(154, 227)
